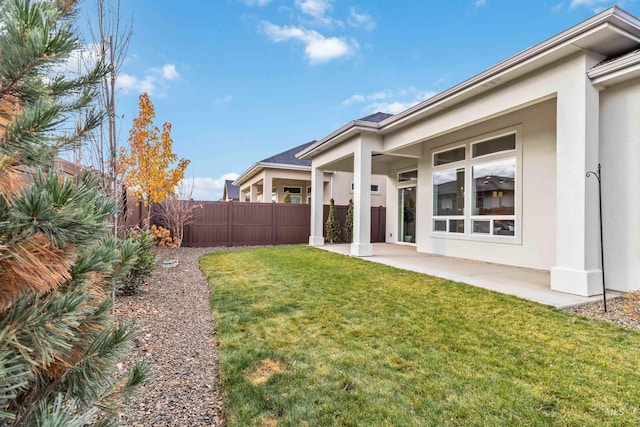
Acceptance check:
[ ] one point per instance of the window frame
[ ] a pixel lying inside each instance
(371, 190)
(469, 202)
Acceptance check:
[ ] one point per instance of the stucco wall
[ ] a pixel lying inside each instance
(620, 159)
(536, 248)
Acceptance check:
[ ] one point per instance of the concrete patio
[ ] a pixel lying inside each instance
(525, 283)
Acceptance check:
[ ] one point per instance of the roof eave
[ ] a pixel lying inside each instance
(258, 166)
(346, 131)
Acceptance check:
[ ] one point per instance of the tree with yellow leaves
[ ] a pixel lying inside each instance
(146, 166)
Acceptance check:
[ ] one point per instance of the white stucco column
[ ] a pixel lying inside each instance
(266, 187)
(577, 268)
(361, 245)
(253, 193)
(316, 238)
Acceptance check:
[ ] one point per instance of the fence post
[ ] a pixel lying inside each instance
(273, 223)
(229, 222)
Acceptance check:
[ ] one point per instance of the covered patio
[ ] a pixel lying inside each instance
(530, 284)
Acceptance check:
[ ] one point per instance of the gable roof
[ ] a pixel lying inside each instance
(288, 157)
(611, 32)
(231, 191)
(283, 160)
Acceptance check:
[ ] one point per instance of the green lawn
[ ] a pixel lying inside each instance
(308, 337)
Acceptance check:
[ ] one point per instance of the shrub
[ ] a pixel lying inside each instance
(137, 261)
(333, 227)
(348, 223)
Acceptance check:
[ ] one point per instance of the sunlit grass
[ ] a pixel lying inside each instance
(335, 340)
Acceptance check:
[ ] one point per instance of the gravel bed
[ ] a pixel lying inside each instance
(616, 312)
(177, 337)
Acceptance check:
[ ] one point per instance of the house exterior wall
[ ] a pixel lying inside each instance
(620, 157)
(342, 189)
(536, 246)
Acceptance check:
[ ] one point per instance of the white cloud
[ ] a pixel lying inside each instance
(169, 72)
(353, 99)
(318, 48)
(316, 8)
(208, 188)
(479, 3)
(391, 101)
(154, 81)
(595, 5)
(363, 20)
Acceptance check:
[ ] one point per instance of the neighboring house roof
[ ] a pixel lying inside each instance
(231, 192)
(375, 117)
(283, 160)
(610, 33)
(289, 157)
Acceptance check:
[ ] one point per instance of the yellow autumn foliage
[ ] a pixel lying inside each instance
(146, 168)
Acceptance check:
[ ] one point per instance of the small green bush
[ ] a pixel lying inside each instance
(333, 226)
(137, 261)
(348, 223)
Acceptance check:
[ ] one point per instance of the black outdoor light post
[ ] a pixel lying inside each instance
(604, 289)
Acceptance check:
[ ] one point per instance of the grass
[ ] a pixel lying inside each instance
(312, 338)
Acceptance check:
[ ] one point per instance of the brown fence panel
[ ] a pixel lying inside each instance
(292, 223)
(251, 224)
(209, 226)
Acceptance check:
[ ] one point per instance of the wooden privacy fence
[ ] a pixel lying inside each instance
(251, 224)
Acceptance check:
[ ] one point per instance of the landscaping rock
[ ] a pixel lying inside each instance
(177, 336)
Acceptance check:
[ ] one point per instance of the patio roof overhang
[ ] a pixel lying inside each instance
(260, 166)
(609, 33)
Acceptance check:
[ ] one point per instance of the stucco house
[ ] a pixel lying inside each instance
(284, 172)
(494, 168)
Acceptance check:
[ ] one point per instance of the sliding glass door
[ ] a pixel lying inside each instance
(407, 214)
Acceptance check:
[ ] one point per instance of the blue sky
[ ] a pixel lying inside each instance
(241, 80)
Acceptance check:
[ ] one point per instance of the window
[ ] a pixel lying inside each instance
(449, 156)
(292, 190)
(308, 190)
(296, 200)
(489, 169)
(494, 197)
(408, 176)
(448, 200)
(375, 188)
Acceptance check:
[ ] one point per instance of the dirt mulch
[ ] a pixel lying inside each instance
(177, 337)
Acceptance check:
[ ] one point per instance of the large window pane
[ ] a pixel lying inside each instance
(494, 188)
(449, 156)
(448, 192)
(503, 143)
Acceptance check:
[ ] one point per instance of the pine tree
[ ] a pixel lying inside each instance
(348, 223)
(333, 227)
(59, 342)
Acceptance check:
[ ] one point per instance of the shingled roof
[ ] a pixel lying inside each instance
(289, 157)
(232, 191)
(375, 117)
